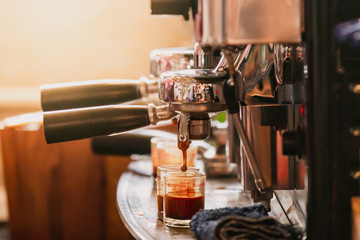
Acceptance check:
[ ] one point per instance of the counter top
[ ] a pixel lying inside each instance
(136, 201)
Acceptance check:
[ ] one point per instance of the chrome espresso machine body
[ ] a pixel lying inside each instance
(286, 72)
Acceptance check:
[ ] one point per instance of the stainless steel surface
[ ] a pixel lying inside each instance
(234, 22)
(183, 127)
(195, 93)
(203, 57)
(268, 73)
(221, 65)
(258, 82)
(290, 71)
(148, 87)
(159, 113)
(264, 125)
(219, 167)
(196, 90)
(194, 129)
(199, 129)
(199, 107)
(170, 59)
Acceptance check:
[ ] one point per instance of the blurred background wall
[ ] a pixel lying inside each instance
(49, 41)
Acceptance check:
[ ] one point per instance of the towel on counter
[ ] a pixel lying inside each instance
(250, 222)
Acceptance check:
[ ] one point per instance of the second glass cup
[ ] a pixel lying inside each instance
(165, 152)
(183, 197)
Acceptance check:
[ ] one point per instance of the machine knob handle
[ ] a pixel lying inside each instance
(137, 141)
(292, 143)
(92, 93)
(67, 125)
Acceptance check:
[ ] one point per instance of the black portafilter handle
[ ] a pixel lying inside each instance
(74, 124)
(93, 93)
(134, 142)
(121, 144)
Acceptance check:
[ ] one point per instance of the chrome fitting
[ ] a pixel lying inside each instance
(159, 113)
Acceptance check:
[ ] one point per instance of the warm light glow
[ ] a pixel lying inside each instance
(356, 88)
(64, 41)
(30, 121)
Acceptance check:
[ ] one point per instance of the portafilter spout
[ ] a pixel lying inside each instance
(197, 93)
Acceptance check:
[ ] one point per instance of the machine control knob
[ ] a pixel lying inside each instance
(292, 142)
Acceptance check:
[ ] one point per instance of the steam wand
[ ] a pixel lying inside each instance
(233, 109)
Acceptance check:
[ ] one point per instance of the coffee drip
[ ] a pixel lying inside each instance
(183, 146)
(183, 140)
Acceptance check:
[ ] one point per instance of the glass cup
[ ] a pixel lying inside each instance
(154, 151)
(161, 172)
(165, 152)
(184, 196)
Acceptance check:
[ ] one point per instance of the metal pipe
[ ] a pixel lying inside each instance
(259, 181)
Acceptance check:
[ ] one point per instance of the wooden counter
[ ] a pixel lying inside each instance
(59, 191)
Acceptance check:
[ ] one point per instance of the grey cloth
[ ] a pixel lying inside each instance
(250, 222)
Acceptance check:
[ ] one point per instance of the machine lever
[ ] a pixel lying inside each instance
(94, 93)
(74, 124)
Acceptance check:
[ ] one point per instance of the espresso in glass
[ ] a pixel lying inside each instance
(183, 206)
(184, 196)
(161, 172)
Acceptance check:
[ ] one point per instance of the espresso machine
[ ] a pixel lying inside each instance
(287, 74)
